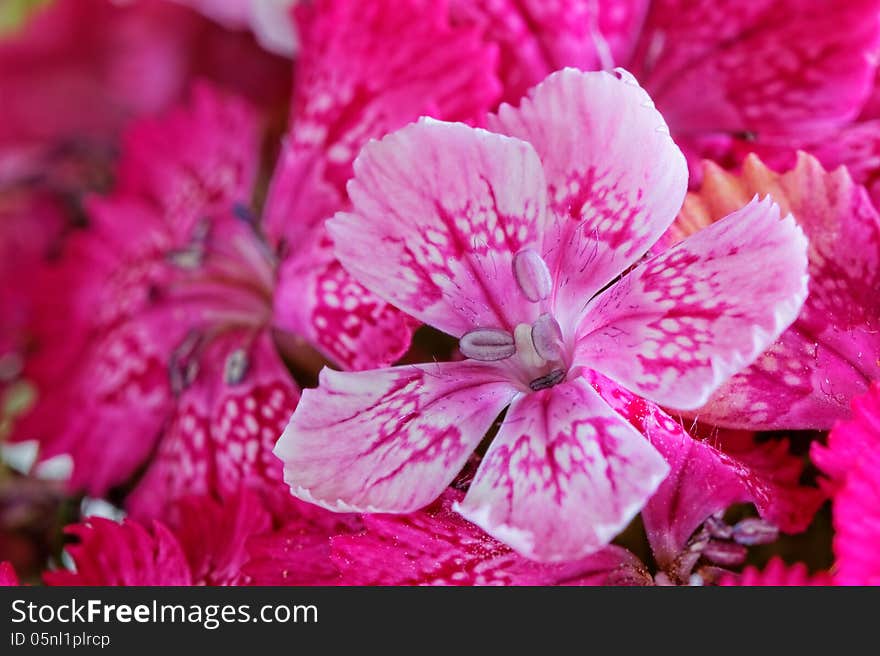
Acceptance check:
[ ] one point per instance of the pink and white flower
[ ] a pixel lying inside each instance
(514, 242)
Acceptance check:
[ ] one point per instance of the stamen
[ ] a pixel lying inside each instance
(183, 365)
(725, 553)
(236, 367)
(187, 258)
(547, 337)
(487, 344)
(532, 275)
(753, 531)
(553, 378)
(525, 347)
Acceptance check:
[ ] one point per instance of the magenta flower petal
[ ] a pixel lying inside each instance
(298, 552)
(435, 546)
(8, 577)
(536, 37)
(214, 535)
(852, 459)
(440, 211)
(807, 378)
(708, 478)
(564, 475)
(321, 302)
(215, 170)
(820, 73)
(224, 427)
(122, 554)
(684, 321)
(400, 435)
(777, 573)
(615, 180)
(203, 542)
(350, 87)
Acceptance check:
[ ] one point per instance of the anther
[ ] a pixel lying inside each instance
(532, 275)
(725, 553)
(752, 531)
(544, 382)
(183, 366)
(547, 337)
(236, 367)
(487, 344)
(187, 258)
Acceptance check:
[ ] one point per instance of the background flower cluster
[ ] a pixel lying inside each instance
(232, 233)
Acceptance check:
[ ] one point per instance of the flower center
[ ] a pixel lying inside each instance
(534, 350)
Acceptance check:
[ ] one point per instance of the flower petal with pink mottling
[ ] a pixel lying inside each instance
(196, 160)
(440, 209)
(350, 87)
(318, 300)
(224, 427)
(680, 324)
(807, 378)
(435, 546)
(563, 476)
(765, 67)
(538, 37)
(389, 440)
(615, 178)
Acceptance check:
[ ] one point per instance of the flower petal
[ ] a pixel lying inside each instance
(350, 87)
(224, 427)
(298, 552)
(708, 478)
(616, 179)
(435, 546)
(768, 67)
(807, 378)
(318, 300)
(537, 37)
(852, 460)
(8, 577)
(122, 554)
(683, 322)
(777, 573)
(564, 475)
(214, 534)
(198, 159)
(439, 211)
(389, 440)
